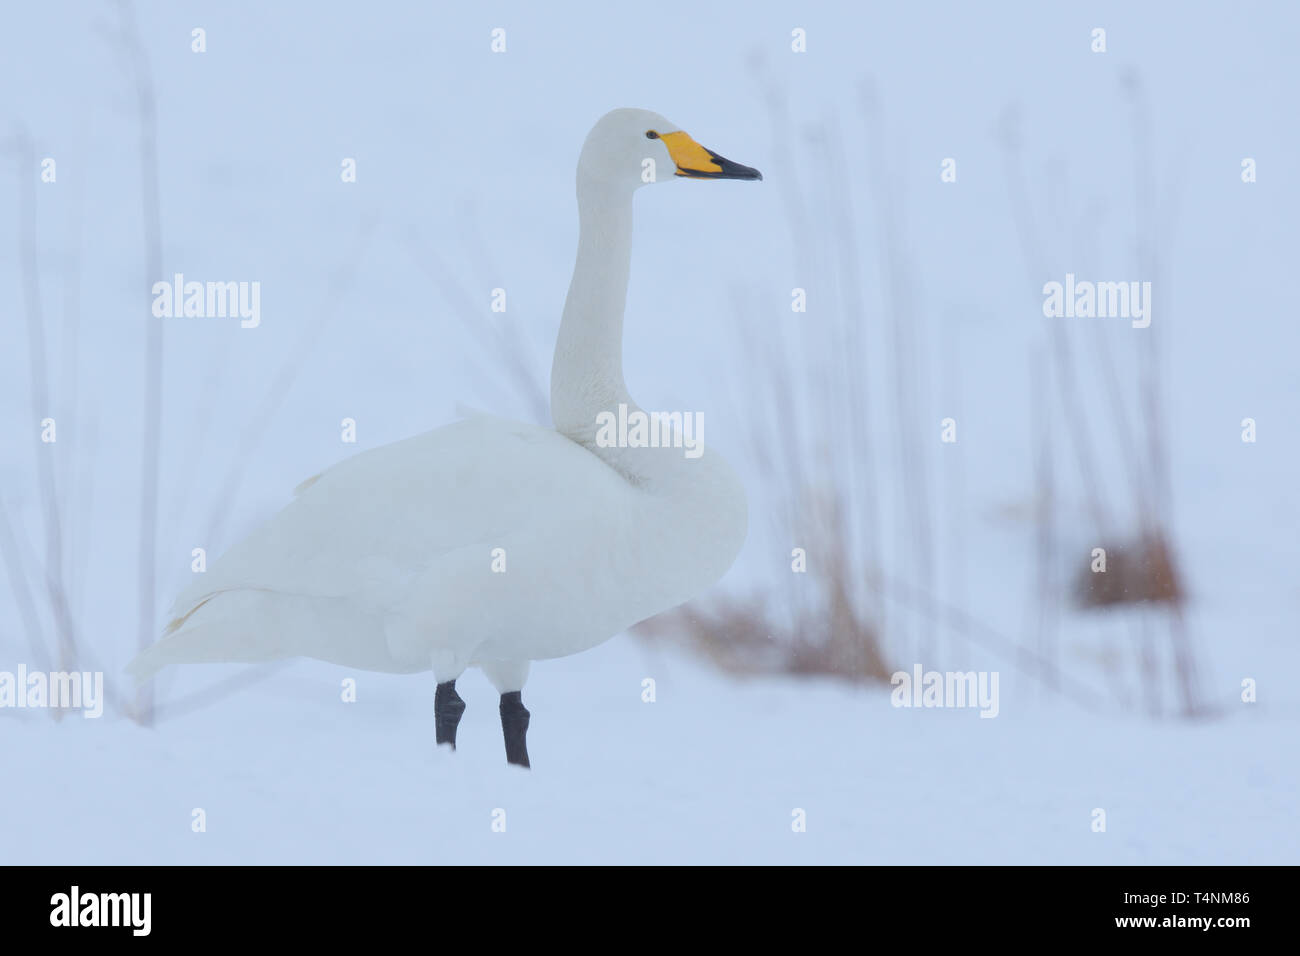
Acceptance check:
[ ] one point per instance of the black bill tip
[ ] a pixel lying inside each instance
(726, 170)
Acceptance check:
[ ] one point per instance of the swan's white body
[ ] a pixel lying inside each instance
(389, 561)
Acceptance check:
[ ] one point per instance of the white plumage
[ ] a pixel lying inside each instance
(386, 561)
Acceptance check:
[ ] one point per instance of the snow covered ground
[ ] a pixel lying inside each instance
(465, 170)
(711, 772)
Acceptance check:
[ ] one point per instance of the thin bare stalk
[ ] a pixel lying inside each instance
(38, 360)
(132, 50)
(1046, 524)
(1072, 404)
(22, 594)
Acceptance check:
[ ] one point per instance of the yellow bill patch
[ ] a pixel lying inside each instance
(689, 155)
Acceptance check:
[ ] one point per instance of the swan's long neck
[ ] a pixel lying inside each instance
(693, 517)
(587, 373)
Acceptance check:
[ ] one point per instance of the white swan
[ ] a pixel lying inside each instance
(388, 560)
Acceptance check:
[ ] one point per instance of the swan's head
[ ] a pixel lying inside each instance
(631, 148)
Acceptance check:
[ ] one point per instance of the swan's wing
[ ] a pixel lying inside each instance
(367, 528)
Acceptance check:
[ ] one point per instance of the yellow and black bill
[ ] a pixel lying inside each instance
(696, 162)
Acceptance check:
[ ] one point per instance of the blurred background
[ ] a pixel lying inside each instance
(1121, 691)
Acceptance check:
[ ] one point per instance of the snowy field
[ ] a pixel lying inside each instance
(370, 292)
(712, 772)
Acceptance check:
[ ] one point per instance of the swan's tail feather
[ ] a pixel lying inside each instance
(199, 645)
(252, 626)
(227, 631)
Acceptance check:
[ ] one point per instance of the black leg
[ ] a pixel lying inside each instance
(514, 724)
(447, 708)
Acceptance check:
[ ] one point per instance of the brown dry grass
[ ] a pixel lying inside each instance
(1137, 572)
(830, 638)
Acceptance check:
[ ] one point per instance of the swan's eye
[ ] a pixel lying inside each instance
(651, 134)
